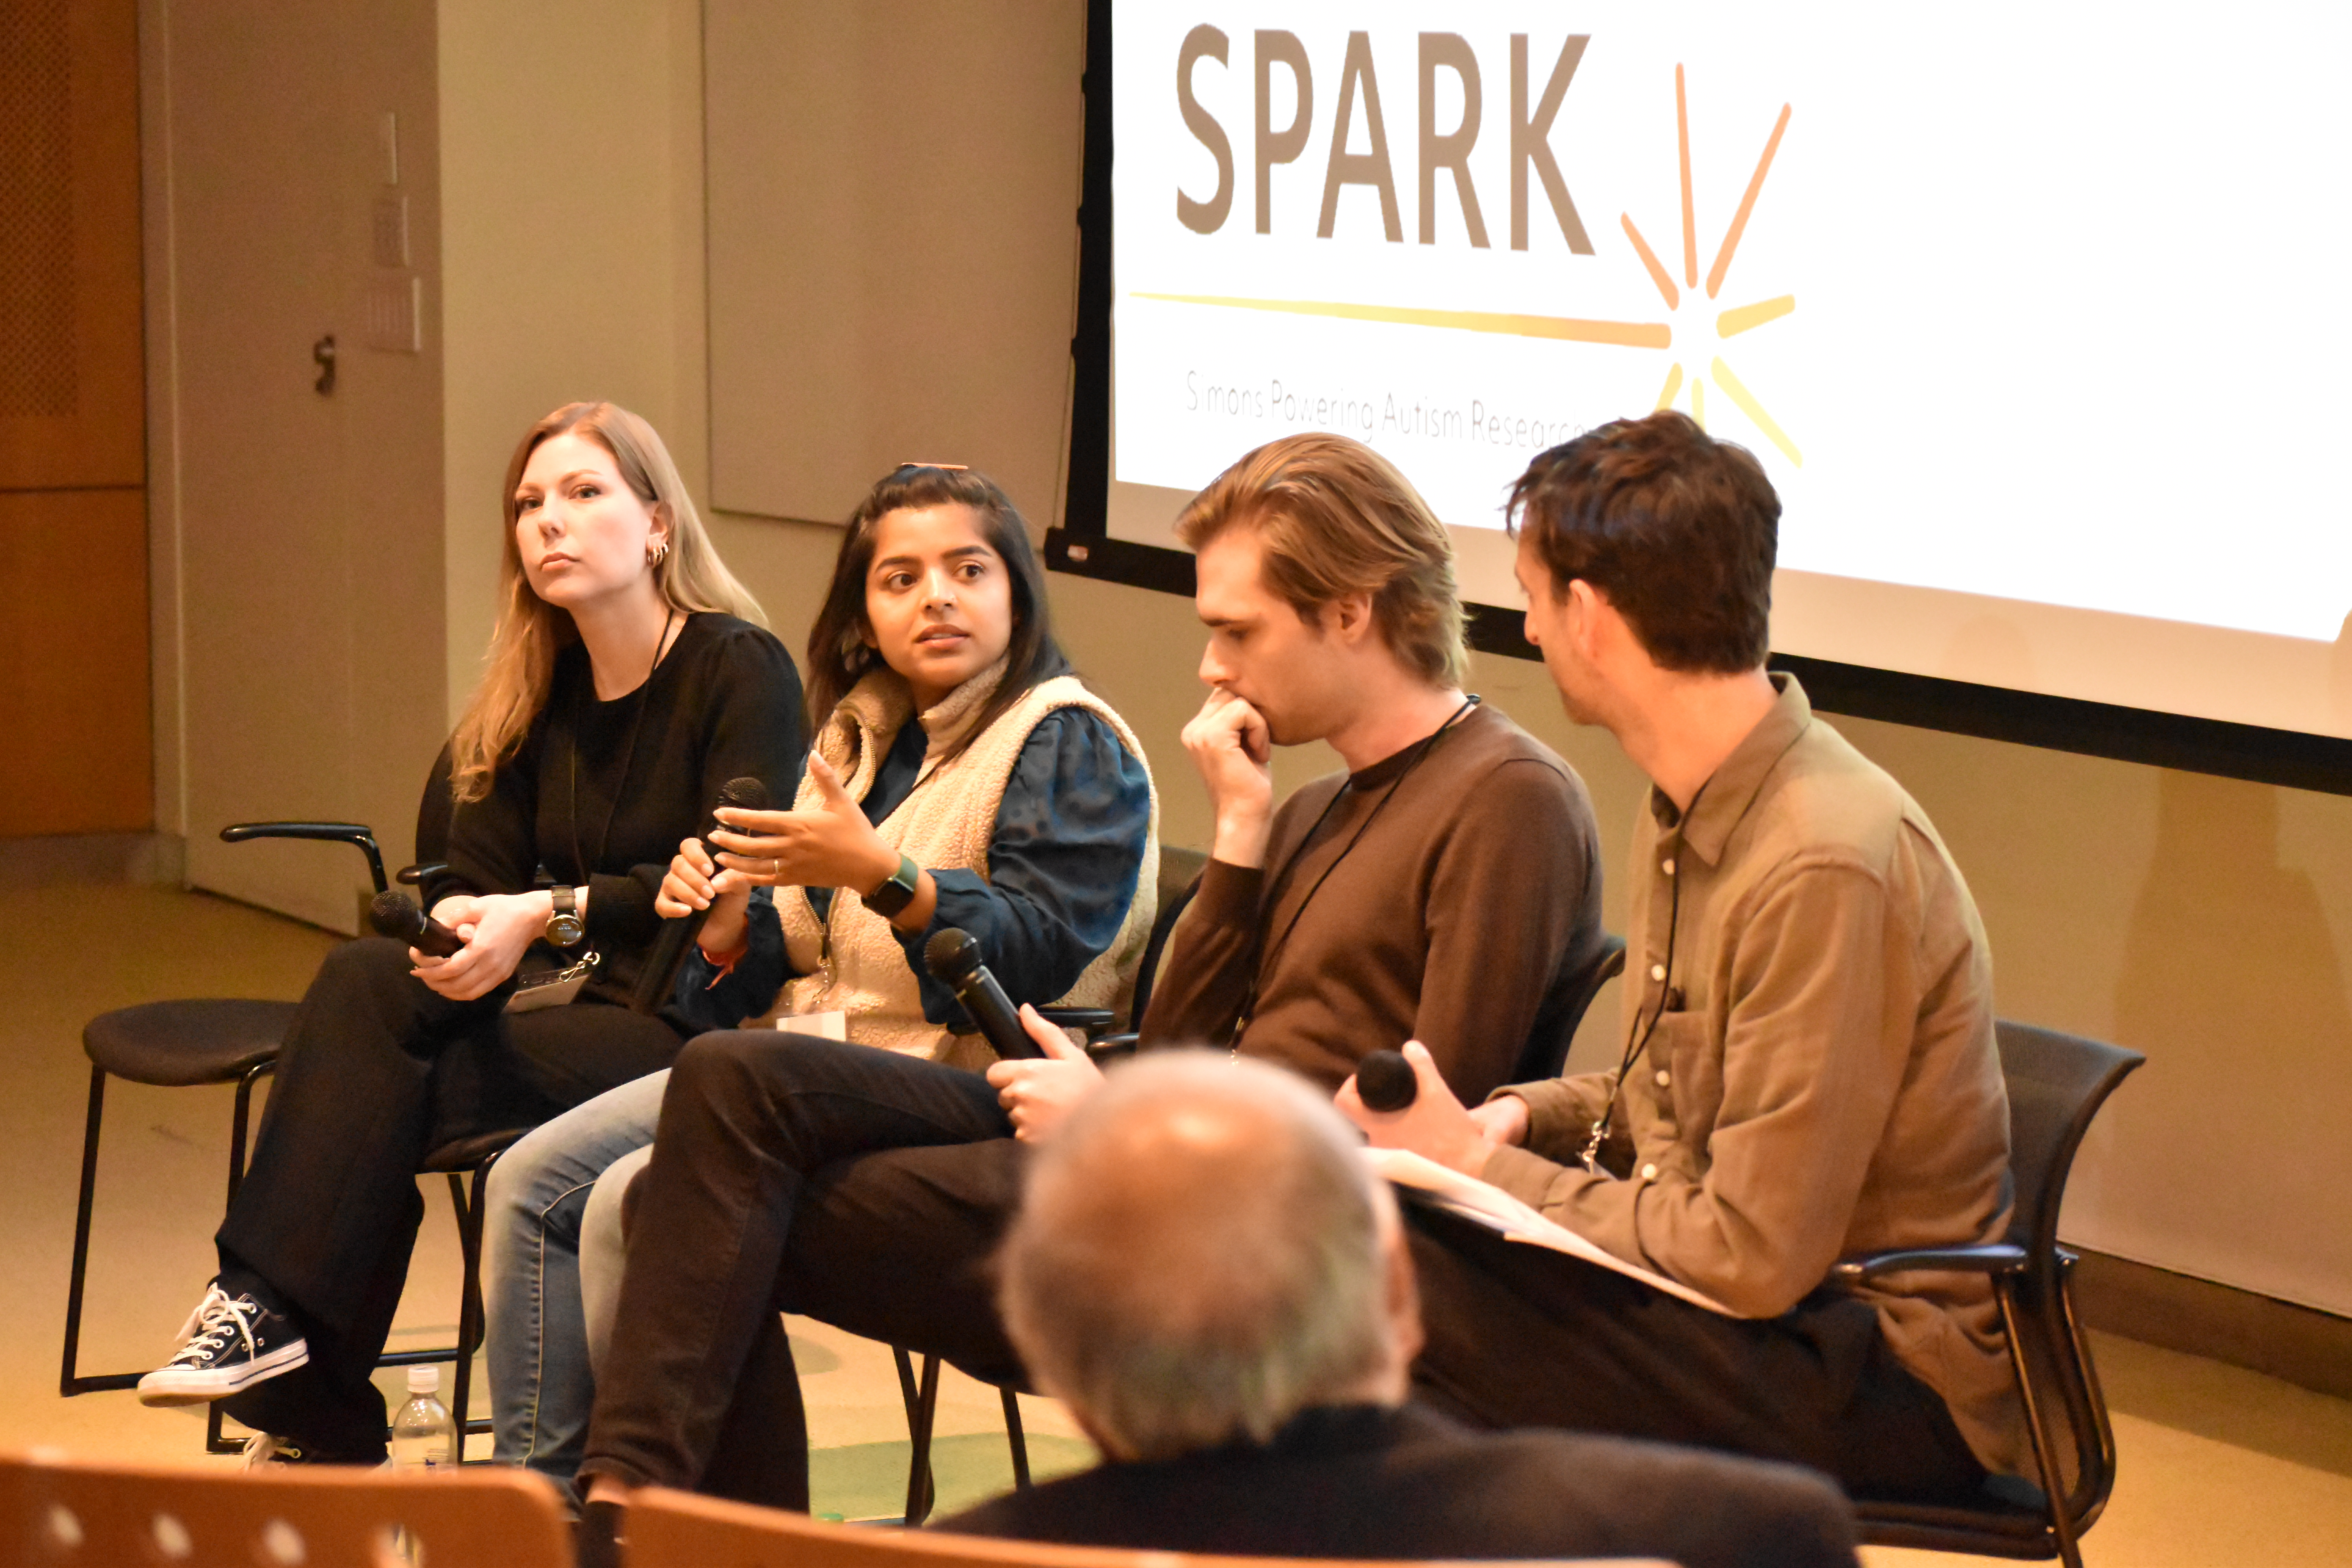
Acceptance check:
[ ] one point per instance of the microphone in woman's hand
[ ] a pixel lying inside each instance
(395, 915)
(1386, 1081)
(658, 978)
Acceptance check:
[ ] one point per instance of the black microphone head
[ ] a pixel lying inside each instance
(745, 794)
(395, 914)
(1385, 1081)
(951, 954)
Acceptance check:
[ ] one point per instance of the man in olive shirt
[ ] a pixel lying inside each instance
(1808, 1071)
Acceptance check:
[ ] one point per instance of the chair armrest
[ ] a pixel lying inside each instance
(413, 876)
(1092, 1022)
(1110, 1049)
(1994, 1258)
(357, 835)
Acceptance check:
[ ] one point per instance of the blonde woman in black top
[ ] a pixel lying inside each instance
(630, 676)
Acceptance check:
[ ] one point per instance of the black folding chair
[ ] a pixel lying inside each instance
(216, 1040)
(2056, 1084)
(1547, 1055)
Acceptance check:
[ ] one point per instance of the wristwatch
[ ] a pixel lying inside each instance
(564, 926)
(896, 891)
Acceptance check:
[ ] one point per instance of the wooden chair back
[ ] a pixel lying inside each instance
(679, 1530)
(55, 1513)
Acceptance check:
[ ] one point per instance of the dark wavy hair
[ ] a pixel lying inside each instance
(838, 653)
(1676, 529)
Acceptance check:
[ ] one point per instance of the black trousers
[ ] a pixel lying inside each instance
(1523, 1336)
(858, 1186)
(376, 1071)
(870, 1191)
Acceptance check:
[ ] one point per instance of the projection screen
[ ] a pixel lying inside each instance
(2021, 308)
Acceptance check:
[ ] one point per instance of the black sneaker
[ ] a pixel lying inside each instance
(232, 1343)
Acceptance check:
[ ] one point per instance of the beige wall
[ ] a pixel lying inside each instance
(2197, 919)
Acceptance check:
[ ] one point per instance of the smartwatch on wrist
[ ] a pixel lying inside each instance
(896, 891)
(564, 926)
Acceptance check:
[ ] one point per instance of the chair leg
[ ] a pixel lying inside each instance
(469, 1302)
(240, 1121)
(69, 1381)
(919, 1452)
(2062, 1521)
(922, 1488)
(1016, 1438)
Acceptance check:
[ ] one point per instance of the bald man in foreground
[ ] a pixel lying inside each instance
(1206, 1272)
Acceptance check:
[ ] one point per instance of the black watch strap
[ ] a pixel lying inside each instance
(896, 891)
(564, 926)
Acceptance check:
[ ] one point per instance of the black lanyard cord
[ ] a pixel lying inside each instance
(1265, 961)
(628, 753)
(1635, 1046)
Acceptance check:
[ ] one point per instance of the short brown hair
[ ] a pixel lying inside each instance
(1337, 519)
(1677, 530)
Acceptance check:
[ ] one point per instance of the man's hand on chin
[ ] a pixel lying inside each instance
(1435, 1126)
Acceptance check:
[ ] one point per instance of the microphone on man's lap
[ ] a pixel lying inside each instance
(658, 978)
(395, 915)
(953, 958)
(1386, 1081)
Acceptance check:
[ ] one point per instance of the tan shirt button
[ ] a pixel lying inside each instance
(1649, 1173)
(1667, 866)
(1657, 972)
(1664, 1078)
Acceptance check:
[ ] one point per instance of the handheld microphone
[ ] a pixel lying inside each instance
(953, 959)
(658, 978)
(395, 915)
(1385, 1081)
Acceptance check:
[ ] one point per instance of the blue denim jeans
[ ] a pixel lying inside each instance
(542, 1386)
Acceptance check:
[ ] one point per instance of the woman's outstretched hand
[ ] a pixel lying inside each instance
(828, 844)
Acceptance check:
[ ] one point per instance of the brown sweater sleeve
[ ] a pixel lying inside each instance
(1512, 888)
(1211, 957)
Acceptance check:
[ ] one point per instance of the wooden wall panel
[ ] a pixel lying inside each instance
(75, 755)
(72, 385)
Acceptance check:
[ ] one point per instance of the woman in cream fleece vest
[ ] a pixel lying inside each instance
(960, 777)
(856, 961)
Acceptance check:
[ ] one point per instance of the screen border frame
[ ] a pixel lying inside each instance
(1082, 546)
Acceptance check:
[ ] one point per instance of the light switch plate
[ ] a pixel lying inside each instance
(395, 314)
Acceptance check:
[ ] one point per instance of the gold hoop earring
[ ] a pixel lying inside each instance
(655, 551)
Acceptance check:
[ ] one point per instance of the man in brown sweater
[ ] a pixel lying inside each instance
(1446, 887)
(1809, 1068)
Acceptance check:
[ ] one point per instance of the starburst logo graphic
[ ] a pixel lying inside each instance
(1693, 330)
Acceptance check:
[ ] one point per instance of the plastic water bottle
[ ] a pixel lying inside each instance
(424, 1438)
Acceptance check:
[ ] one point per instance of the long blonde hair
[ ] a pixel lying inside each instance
(532, 632)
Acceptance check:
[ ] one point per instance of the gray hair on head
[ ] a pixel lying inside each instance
(1200, 1255)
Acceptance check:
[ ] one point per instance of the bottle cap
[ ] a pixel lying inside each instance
(424, 1380)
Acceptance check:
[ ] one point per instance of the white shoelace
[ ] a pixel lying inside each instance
(208, 1326)
(263, 1446)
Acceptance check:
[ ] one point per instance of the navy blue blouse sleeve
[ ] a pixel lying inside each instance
(1062, 866)
(750, 989)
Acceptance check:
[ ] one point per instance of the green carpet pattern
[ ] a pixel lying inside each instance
(868, 1481)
